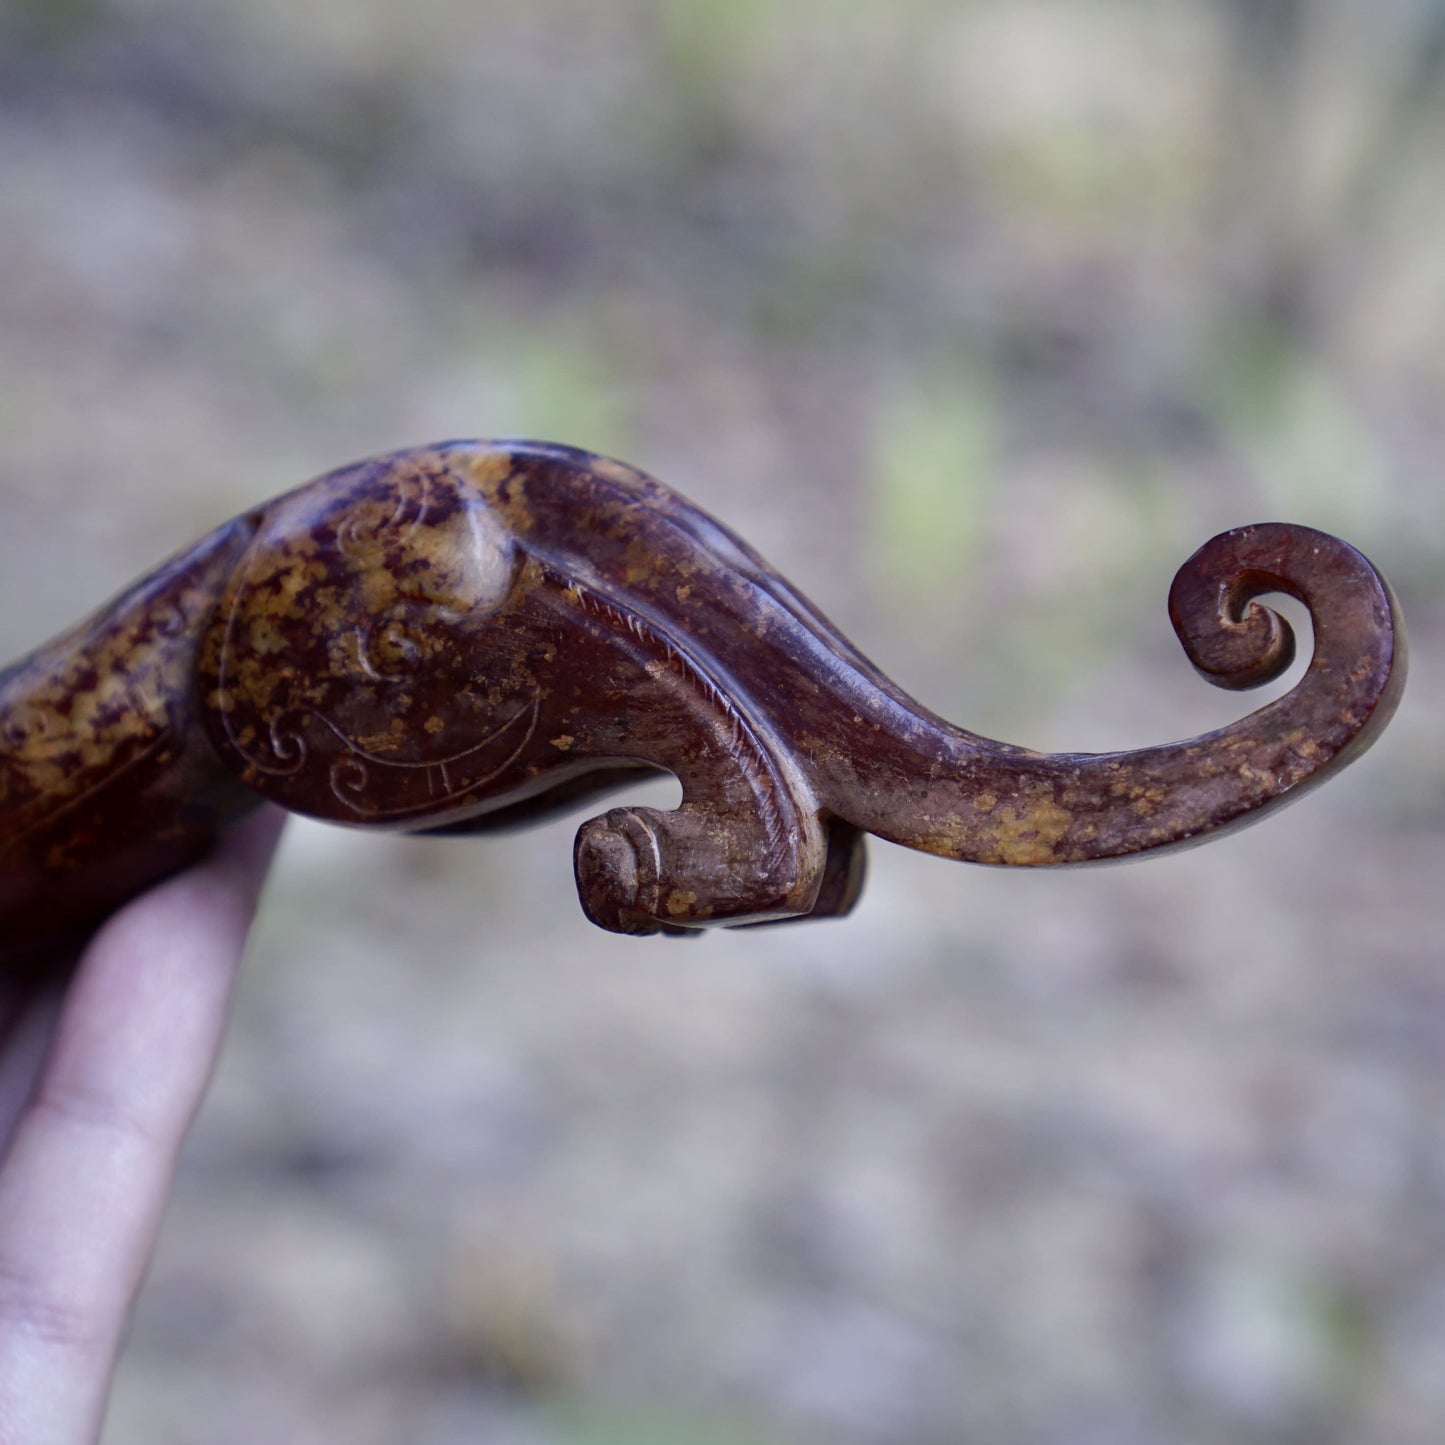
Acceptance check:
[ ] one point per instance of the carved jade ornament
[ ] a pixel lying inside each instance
(472, 635)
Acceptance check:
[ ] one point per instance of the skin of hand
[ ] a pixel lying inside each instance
(100, 1077)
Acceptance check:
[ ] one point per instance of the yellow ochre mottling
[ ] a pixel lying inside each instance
(378, 589)
(489, 471)
(433, 724)
(266, 637)
(386, 742)
(1027, 838)
(563, 741)
(1149, 801)
(95, 700)
(679, 902)
(486, 469)
(642, 562)
(618, 472)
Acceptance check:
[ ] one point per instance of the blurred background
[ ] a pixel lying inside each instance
(976, 317)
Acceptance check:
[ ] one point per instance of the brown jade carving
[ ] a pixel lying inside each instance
(470, 636)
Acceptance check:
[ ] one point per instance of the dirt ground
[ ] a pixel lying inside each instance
(976, 318)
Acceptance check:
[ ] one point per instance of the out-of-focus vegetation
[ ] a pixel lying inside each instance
(976, 316)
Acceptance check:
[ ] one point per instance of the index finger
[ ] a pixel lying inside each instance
(85, 1181)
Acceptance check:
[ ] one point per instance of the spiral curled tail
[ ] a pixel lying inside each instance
(968, 798)
(1356, 673)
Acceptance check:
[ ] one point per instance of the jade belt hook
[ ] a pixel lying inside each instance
(470, 636)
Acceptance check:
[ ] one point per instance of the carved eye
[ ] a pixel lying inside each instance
(397, 646)
(390, 652)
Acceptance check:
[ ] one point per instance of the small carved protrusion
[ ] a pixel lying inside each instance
(618, 864)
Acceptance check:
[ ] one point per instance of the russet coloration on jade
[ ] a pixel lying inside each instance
(474, 635)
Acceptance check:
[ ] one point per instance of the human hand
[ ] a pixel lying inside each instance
(100, 1077)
